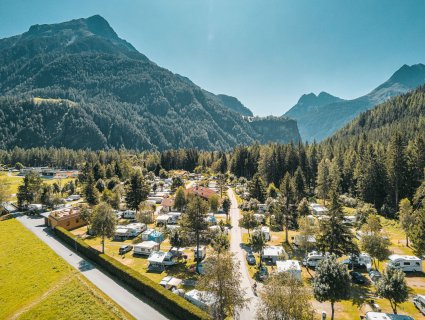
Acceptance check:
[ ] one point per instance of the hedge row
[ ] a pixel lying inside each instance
(167, 300)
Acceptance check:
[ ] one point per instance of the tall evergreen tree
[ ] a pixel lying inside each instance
(323, 179)
(257, 188)
(335, 236)
(396, 167)
(137, 191)
(194, 220)
(90, 191)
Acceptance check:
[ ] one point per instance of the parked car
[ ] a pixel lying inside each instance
(419, 302)
(357, 278)
(263, 273)
(125, 249)
(374, 275)
(250, 258)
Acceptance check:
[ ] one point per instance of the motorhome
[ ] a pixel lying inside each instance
(405, 263)
(145, 248)
(313, 259)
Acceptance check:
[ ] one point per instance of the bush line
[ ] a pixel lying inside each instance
(169, 301)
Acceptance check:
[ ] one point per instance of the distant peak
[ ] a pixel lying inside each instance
(99, 26)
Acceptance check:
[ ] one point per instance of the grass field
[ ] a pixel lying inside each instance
(38, 284)
(13, 181)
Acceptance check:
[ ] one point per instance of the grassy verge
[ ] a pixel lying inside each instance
(33, 278)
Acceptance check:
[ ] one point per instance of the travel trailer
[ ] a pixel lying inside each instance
(145, 248)
(363, 260)
(270, 254)
(161, 259)
(405, 263)
(291, 267)
(201, 299)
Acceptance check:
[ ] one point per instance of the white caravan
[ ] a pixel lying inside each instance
(145, 248)
(419, 302)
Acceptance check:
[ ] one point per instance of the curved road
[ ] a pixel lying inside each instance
(236, 248)
(116, 291)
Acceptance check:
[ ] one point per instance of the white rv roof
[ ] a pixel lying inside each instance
(202, 296)
(273, 251)
(146, 244)
(386, 316)
(394, 257)
(287, 265)
(158, 256)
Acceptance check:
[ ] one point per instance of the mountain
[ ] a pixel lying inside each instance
(78, 85)
(234, 104)
(403, 114)
(318, 119)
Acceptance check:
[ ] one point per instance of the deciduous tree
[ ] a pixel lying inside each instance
(284, 298)
(392, 286)
(104, 222)
(331, 282)
(223, 279)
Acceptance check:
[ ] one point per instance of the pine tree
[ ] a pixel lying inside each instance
(397, 167)
(137, 191)
(257, 189)
(417, 233)
(323, 179)
(298, 185)
(407, 219)
(180, 199)
(335, 236)
(90, 191)
(194, 220)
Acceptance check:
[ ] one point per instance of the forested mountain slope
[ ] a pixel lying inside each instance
(404, 114)
(103, 93)
(318, 119)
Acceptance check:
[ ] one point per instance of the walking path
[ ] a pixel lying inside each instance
(115, 290)
(236, 248)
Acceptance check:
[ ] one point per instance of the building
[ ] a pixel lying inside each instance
(167, 204)
(203, 192)
(67, 218)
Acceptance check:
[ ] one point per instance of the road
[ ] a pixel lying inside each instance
(236, 248)
(116, 291)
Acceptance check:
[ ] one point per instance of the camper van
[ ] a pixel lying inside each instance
(419, 302)
(312, 259)
(129, 214)
(405, 263)
(145, 248)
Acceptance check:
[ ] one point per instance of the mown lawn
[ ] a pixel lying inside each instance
(37, 284)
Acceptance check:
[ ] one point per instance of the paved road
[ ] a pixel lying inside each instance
(116, 291)
(235, 247)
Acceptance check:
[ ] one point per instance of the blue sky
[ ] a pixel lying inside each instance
(267, 53)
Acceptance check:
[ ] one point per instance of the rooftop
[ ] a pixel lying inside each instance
(65, 213)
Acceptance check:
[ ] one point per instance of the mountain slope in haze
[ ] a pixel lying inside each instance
(95, 90)
(404, 114)
(317, 122)
(234, 104)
